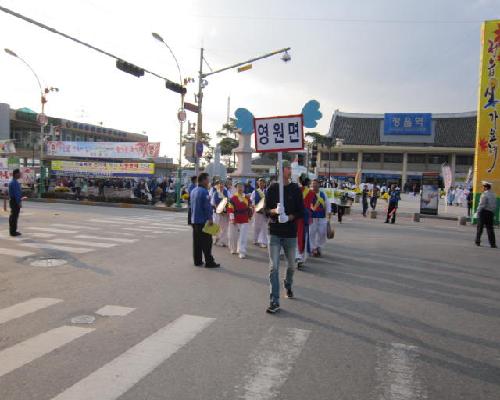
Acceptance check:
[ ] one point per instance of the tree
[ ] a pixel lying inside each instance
(318, 138)
(229, 139)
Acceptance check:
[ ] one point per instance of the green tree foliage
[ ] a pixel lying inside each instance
(318, 138)
(227, 145)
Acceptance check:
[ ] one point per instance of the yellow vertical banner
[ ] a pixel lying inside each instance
(487, 157)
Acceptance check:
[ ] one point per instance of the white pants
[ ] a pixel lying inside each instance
(260, 228)
(238, 234)
(317, 232)
(302, 257)
(223, 221)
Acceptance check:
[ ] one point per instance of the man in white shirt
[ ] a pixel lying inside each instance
(486, 214)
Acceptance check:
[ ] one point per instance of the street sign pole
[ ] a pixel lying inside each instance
(280, 179)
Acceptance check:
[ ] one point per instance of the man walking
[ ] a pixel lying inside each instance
(364, 199)
(374, 196)
(201, 213)
(191, 187)
(283, 233)
(486, 214)
(15, 202)
(394, 197)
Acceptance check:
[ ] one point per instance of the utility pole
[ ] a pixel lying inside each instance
(199, 128)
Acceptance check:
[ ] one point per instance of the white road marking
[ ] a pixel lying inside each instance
(74, 226)
(137, 229)
(40, 235)
(271, 362)
(397, 373)
(25, 352)
(14, 253)
(27, 307)
(76, 250)
(51, 230)
(121, 374)
(110, 221)
(112, 239)
(114, 311)
(80, 243)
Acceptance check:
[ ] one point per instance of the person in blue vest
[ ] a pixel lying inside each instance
(394, 197)
(318, 224)
(202, 213)
(221, 216)
(257, 199)
(15, 202)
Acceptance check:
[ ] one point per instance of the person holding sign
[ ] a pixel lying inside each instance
(240, 212)
(317, 228)
(219, 202)
(282, 233)
(258, 198)
(201, 214)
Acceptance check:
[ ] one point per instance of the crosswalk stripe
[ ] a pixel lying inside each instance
(271, 362)
(14, 253)
(112, 239)
(110, 221)
(79, 242)
(25, 352)
(137, 229)
(397, 373)
(121, 374)
(93, 228)
(76, 250)
(40, 235)
(52, 230)
(27, 307)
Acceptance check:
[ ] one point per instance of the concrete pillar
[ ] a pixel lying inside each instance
(360, 161)
(404, 172)
(453, 165)
(340, 158)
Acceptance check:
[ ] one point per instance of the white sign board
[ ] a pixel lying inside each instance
(278, 134)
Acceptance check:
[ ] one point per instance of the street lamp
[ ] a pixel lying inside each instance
(181, 116)
(202, 83)
(42, 120)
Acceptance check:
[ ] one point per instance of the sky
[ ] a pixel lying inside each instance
(366, 56)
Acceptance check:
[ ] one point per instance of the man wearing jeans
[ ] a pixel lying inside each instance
(282, 234)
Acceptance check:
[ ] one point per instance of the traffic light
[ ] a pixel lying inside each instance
(129, 68)
(314, 155)
(175, 87)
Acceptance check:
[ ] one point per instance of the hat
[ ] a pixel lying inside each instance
(486, 183)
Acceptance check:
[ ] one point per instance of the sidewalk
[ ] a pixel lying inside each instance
(410, 205)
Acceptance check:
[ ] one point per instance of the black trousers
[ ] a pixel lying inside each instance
(373, 202)
(202, 245)
(391, 213)
(365, 207)
(486, 219)
(14, 216)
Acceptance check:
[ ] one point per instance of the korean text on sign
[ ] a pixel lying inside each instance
(276, 134)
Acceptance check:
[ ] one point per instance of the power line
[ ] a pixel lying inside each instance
(66, 36)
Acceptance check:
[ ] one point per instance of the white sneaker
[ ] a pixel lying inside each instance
(263, 246)
(242, 256)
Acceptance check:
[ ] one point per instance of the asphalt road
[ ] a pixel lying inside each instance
(402, 312)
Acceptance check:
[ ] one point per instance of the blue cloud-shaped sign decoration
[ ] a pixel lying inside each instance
(311, 114)
(244, 120)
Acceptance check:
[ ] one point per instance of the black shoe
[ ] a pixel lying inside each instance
(493, 246)
(478, 243)
(393, 222)
(273, 308)
(386, 222)
(198, 265)
(212, 265)
(288, 292)
(15, 234)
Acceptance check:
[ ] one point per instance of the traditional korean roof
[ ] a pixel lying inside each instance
(450, 130)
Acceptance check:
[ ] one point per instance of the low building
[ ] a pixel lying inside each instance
(363, 142)
(22, 127)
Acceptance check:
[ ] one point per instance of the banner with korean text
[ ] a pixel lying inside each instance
(97, 169)
(487, 158)
(121, 150)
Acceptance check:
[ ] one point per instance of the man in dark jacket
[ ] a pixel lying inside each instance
(15, 202)
(282, 233)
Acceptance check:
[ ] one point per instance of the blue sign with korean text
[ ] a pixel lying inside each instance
(408, 124)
